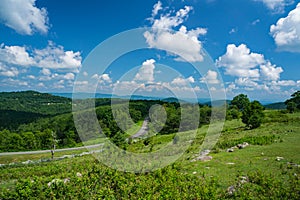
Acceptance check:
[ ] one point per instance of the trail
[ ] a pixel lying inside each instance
(48, 151)
(143, 130)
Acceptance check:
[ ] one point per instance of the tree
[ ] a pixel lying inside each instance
(241, 102)
(291, 106)
(294, 102)
(253, 115)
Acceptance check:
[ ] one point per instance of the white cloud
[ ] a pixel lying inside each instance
(255, 22)
(85, 74)
(51, 57)
(10, 72)
(239, 61)
(182, 81)
(284, 83)
(41, 84)
(15, 55)
(102, 79)
(211, 77)
(46, 72)
(270, 72)
(23, 16)
(276, 6)
(31, 77)
(246, 82)
(55, 57)
(286, 32)
(182, 43)
(14, 82)
(156, 8)
(233, 30)
(69, 76)
(146, 72)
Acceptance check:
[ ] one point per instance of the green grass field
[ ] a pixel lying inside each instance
(279, 136)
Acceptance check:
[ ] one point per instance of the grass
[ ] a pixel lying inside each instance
(224, 166)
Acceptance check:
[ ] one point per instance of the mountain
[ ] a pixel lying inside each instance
(34, 102)
(17, 108)
(217, 103)
(276, 106)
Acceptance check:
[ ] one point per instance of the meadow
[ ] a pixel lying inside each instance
(269, 168)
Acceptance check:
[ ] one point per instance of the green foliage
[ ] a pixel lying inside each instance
(294, 102)
(254, 140)
(240, 102)
(291, 106)
(253, 115)
(34, 102)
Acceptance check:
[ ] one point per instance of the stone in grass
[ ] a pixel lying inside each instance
(230, 150)
(230, 163)
(57, 180)
(278, 158)
(202, 158)
(242, 146)
(231, 190)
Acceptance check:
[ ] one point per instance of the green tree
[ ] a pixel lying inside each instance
(240, 102)
(293, 102)
(291, 106)
(253, 115)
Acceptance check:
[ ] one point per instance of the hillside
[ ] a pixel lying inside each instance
(17, 108)
(34, 102)
(276, 106)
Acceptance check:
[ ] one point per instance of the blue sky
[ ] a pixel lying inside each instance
(253, 46)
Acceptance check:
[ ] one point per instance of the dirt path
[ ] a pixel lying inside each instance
(143, 130)
(48, 151)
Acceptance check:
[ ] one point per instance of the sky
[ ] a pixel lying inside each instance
(187, 48)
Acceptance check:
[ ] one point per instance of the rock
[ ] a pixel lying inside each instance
(78, 174)
(194, 172)
(244, 179)
(278, 158)
(66, 180)
(230, 163)
(27, 162)
(57, 180)
(202, 158)
(206, 158)
(231, 190)
(230, 150)
(246, 144)
(205, 152)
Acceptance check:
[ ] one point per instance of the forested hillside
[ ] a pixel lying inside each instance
(17, 108)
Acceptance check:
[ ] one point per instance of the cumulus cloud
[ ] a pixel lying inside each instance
(270, 72)
(146, 72)
(183, 81)
(157, 7)
(51, 57)
(239, 61)
(211, 77)
(8, 72)
(184, 43)
(252, 70)
(103, 78)
(286, 32)
(46, 72)
(276, 6)
(23, 16)
(55, 57)
(15, 55)
(69, 76)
